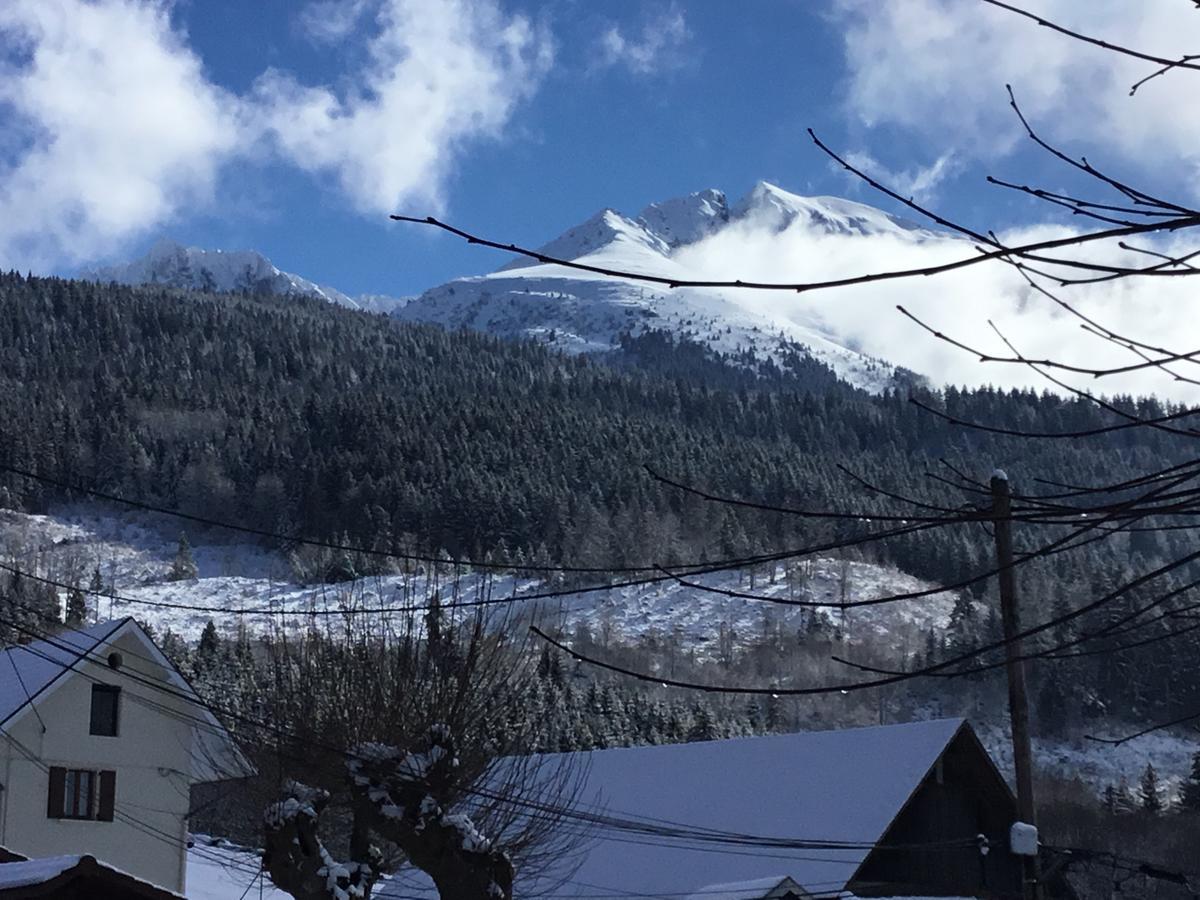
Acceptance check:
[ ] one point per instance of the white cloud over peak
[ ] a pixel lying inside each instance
(439, 73)
(938, 67)
(115, 127)
(919, 183)
(656, 48)
(960, 304)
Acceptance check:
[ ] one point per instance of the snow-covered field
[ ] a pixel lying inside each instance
(134, 553)
(219, 870)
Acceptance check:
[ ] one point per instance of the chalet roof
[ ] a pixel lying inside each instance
(56, 875)
(29, 669)
(28, 672)
(842, 786)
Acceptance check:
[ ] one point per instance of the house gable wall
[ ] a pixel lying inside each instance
(151, 756)
(962, 797)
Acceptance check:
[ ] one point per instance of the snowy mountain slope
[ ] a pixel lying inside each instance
(775, 208)
(247, 271)
(580, 312)
(134, 552)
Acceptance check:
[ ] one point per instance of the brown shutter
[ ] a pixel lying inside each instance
(108, 796)
(58, 782)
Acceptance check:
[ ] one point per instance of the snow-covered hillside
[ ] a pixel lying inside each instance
(134, 553)
(247, 271)
(580, 312)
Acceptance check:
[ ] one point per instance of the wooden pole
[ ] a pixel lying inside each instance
(1018, 698)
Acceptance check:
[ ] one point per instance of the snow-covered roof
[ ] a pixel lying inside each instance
(845, 786)
(113, 881)
(35, 871)
(29, 671)
(755, 889)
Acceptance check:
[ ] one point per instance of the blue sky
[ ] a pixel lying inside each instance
(293, 128)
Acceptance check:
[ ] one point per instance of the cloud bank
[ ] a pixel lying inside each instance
(960, 304)
(439, 73)
(114, 128)
(117, 127)
(938, 68)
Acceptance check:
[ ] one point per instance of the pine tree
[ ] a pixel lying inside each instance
(1124, 797)
(208, 651)
(1189, 797)
(1149, 792)
(77, 610)
(183, 568)
(703, 728)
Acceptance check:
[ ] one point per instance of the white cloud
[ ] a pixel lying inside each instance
(113, 129)
(960, 304)
(919, 183)
(117, 127)
(658, 47)
(938, 67)
(327, 21)
(439, 73)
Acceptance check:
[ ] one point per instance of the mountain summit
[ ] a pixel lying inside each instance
(582, 312)
(243, 271)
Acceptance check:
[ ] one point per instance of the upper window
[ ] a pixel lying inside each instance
(106, 702)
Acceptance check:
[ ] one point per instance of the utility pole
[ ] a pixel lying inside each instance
(1018, 698)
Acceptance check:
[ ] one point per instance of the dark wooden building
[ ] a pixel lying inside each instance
(933, 847)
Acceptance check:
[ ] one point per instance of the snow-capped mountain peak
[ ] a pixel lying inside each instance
(770, 206)
(685, 220)
(606, 228)
(170, 263)
(582, 311)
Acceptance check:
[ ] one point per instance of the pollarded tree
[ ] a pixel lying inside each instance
(415, 735)
(405, 798)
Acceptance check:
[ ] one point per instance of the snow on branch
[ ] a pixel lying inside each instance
(296, 859)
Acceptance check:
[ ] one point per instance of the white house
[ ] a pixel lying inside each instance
(101, 739)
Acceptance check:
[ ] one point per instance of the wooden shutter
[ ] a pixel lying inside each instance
(108, 796)
(54, 802)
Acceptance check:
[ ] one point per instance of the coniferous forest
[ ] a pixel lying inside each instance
(302, 418)
(299, 417)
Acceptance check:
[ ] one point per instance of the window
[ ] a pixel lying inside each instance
(81, 794)
(105, 702)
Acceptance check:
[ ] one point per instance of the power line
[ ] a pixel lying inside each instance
(484, 602)
(689, 833)
(864, 517)
(892, 678)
